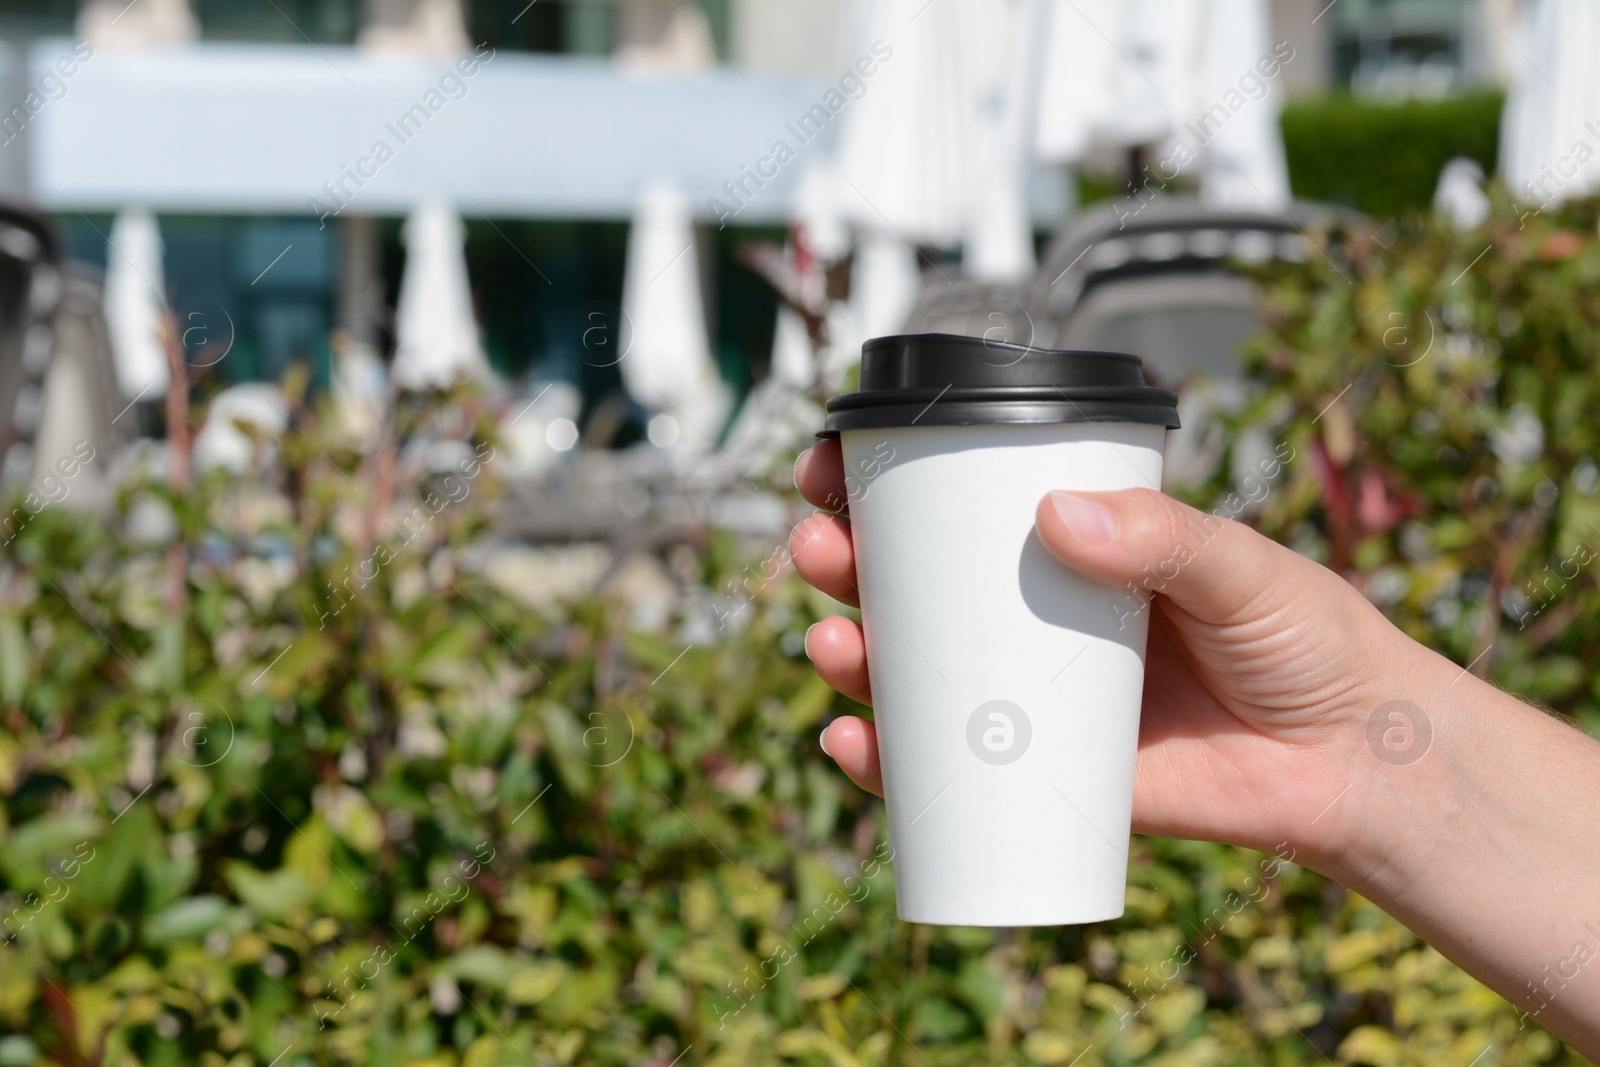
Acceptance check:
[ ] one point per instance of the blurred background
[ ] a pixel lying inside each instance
(400, 660)
(321, 183)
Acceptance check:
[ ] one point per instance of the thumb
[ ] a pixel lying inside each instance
(1217, 570)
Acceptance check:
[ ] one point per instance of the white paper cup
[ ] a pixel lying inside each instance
(1006, 688)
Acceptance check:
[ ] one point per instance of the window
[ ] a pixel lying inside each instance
(37, 18)
(578, 27)
(1404, 47)
(289, 21)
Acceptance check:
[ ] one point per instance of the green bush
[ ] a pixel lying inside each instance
(324, 802)
(1384, 158)
(1442, 390)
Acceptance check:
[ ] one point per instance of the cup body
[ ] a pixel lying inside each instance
(1006, 688)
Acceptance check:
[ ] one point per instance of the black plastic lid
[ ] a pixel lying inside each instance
(940, 379)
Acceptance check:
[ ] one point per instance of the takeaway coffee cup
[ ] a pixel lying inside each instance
(1006, 688)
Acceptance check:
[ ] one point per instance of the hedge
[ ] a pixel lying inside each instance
(313, 789)
(1384, 158)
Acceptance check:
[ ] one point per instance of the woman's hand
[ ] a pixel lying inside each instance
(1281, 710)
(1261, 671)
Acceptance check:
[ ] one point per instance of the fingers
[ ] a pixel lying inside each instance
(1210, 567)
(839, 652)
(821, 545)
(819, 475)
(853, 744)
(825, 556)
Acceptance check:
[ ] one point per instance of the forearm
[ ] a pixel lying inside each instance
(1488, 845)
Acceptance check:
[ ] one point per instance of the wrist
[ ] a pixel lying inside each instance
(1481, 845)
(1441, 774)
(1403, 741)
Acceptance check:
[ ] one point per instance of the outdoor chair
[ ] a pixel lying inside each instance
(58, 391)
(82, 402)
(1153, 277)
(1156, 278)
(30, 293)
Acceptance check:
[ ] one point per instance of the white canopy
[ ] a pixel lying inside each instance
(283, 124)
(437, 336)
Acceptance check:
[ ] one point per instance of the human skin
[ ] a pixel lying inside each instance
(1263, 673)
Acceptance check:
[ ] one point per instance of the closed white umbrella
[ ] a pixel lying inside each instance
(819, 210)
(136, 305)
(668, 368)
(778, 416)
(904, 157)
(1115, 75)
(1549, 138)
(1243, 163)
(884, 283)
(1075, 81)
(794, 361)
(1181, 77)
(999, 246)
(437, 335)
(905, 145)
(821, 238)
(1159, 48)
(999, 236)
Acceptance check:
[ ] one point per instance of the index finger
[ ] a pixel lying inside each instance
(819, 475)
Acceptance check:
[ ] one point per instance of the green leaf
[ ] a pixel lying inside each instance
(271, 894)
(50, 837)
(532, 984)
(192, 919)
